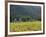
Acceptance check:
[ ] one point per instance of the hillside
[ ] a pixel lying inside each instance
(19, 10)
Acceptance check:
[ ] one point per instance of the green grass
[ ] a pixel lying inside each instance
(25, 26)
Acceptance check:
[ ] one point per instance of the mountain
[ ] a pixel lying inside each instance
(23, 10)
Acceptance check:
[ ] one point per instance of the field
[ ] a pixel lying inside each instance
(25, 26)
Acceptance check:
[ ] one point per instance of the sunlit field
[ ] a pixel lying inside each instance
(25, 26)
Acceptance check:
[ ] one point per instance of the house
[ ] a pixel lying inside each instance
(22, 19)
(17, 19)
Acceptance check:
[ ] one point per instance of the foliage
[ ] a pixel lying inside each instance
(24, 18)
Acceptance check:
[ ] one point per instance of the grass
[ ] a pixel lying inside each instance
(25, 26)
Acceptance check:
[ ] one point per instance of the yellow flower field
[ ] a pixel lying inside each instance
(25, 26)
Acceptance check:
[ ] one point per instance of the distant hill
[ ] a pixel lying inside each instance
(21, 10)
